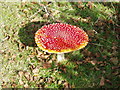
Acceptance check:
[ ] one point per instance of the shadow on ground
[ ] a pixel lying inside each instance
(27, 33)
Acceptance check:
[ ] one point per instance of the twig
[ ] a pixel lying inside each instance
(46, 10)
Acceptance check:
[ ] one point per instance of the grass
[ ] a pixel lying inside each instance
(25, 65)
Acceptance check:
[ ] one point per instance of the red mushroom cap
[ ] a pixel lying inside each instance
(60, 38)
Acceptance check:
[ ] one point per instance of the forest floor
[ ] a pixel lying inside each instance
(24, 65)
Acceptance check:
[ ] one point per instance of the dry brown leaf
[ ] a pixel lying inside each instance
(14, 85)
(44, 56)
(55, 12)
(14, 56)
(35, 78)
(66, 84)
(41, 80)
(35, 71)
(114, 60)
(87, 59)
(2, 51)
(96, 68)
(100, 62)
(86, 52)
(97, 54)
(36, 19)
(115, 52)
(20, 73)
(102, 81)
(80, 4)
(114, 47)
(31, 56)
(63, 68)
(93, 62)
(90, 4)
(91, 32)
(115, 67)
(49, 80)
(59, 82)
(104, 71)
(46, 65)
(105, 57)
(26, 85)
(27, 75)
(58, 21)
(108, 81)
(116, 73)
(21, 46)
(21, 82)
(39, 53)
(45, 16)
(111, 21)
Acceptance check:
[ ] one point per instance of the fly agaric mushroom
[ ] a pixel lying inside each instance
(60, 38)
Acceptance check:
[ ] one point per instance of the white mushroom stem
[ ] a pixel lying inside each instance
(60, 57)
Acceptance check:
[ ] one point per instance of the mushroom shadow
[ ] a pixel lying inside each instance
(27, 33)
(79, 75)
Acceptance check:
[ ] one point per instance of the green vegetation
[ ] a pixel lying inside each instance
(25, 65)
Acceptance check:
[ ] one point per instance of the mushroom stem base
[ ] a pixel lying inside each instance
(60, 57)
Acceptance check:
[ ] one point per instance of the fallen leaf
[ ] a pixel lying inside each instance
(35, 78)
(59, 82)
(26, 85)
(58, 21)
(116, 73)
(90, 4)
(14, 56)
(2, 51)
(41, 80)
(14, 85)
(66, 84)
(115, 52)
(20, 73)
(100, 62)
(105, 57)
(39, 53)
(27, 75)
(111, 21)
(21, 46)
(102, 81)
(80, 4)
(103, 71)
(35, 71)
(44, 56)
(96, 68)
(63, 68)
(87, 59)
(97, 54)
(91, 32)
(50, 80)
(108, 81)
(36, 19)
(115, 67)
(21, 82)
(114, 60)
(45, 16)
(46, 65)
(93, 62)
(55, 12)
